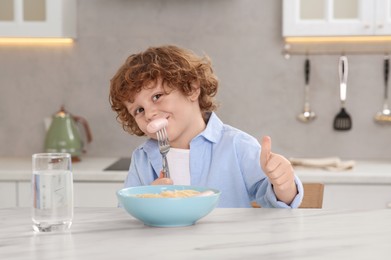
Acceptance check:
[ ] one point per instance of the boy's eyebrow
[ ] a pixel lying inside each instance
(129, 106)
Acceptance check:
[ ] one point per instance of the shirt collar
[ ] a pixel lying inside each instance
(213, 129)
(152, 150)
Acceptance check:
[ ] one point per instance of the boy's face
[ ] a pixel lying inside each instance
(182, 112)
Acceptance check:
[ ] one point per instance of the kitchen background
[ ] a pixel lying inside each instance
(261, 92)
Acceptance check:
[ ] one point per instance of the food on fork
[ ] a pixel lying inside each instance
(156, 125)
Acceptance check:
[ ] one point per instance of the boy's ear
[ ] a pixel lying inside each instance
(196, 91)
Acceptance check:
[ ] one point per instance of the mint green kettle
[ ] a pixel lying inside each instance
(64, 134)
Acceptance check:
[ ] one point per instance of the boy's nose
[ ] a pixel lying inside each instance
(151, 114)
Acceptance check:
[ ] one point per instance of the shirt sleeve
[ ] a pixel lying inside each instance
(132, 179)
(258, 185)
(141, 171)
(270, 199)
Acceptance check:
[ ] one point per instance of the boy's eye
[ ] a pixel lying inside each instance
(138, 110)
(156, 97)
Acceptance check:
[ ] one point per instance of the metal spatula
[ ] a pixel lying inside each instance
(343, 121)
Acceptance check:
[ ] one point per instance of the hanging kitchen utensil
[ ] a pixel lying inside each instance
(343, 121)
(384, 116)
(307, 114)
(64, 134)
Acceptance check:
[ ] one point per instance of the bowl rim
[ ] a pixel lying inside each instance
(168, 187)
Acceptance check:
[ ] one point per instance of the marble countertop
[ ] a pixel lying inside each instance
(364, 172)
(88, 169)
(91, 169)
(110, 233)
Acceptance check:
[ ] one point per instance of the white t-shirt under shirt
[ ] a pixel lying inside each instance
(179, 165)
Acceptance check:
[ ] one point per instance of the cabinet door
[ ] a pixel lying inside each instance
(7, 194)
(382, 19)
(38, 18)
(96, 194)
(342, 196)
(328, 17)
(24, 194)
(86, 194)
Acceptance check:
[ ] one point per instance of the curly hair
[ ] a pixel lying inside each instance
(177, 67)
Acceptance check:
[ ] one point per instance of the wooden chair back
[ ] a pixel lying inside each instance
(313, 196)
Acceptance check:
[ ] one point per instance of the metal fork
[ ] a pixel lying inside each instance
(164, 147)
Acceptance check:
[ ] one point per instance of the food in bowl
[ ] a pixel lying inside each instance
(167, 212)
(170, 194)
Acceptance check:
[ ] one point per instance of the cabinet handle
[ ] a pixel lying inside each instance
(367, 26)
(380, 26)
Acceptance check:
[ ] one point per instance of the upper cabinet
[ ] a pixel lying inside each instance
(38, 18)
(336, 17)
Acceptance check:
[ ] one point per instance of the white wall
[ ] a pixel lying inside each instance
(260, 91)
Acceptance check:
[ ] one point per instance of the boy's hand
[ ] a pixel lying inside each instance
(162, 181)
(279, 171)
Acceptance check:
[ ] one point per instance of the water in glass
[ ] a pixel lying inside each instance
(52, 193)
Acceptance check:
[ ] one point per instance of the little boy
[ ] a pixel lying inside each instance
(176, 84)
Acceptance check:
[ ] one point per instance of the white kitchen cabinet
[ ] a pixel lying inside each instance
(366, 186)
(358, 196)
(93, 186)
(23, 194)
(7, 194)
(38, 18)
(86, 194)
(96, 194)
(103, 194)
(15, 194)
(336, 18)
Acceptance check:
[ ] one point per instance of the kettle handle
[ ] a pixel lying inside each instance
(83, 121)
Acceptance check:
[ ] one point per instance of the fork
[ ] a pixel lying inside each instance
(164, 147)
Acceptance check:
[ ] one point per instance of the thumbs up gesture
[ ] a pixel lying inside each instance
(279, 171)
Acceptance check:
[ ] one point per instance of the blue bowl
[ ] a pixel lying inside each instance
(167, 212)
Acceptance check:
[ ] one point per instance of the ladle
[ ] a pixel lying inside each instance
(307, 114)
(384, 116)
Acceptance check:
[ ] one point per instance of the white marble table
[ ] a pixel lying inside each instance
(109, 233)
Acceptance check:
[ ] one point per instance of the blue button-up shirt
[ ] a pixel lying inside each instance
(221, 157)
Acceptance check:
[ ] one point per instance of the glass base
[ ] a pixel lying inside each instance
(52, 227)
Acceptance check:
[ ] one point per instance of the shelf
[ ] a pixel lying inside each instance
(336, 45)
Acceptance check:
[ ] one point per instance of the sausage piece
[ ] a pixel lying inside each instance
(156, 125)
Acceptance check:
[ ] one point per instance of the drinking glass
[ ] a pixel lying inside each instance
(52, 192)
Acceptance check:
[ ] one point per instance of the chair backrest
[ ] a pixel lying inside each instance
(313, 196)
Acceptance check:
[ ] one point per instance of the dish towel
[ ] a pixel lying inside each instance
(328, 163)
